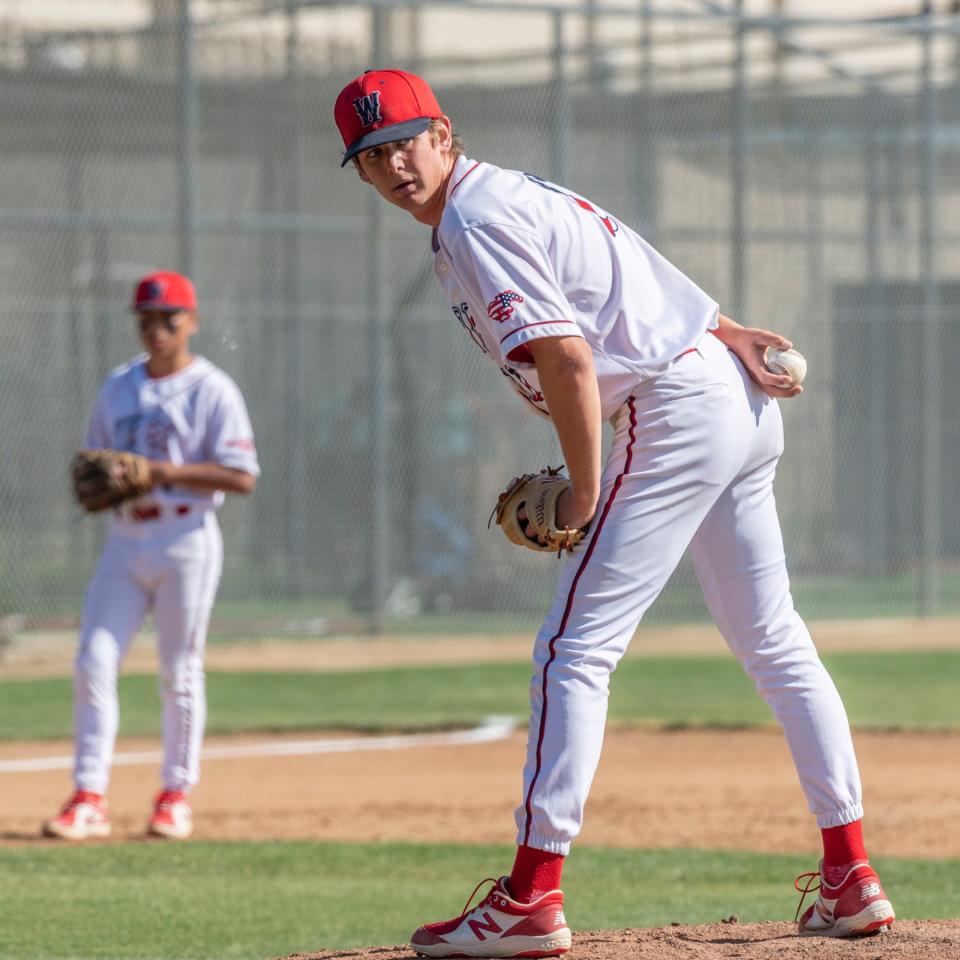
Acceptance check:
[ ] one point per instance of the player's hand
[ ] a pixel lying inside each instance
(750, 345)
(528, 530)
(568, 514)
(572, 515)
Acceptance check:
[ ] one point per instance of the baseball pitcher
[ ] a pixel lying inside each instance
(587, 322)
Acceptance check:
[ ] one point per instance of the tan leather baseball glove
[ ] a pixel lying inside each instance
(103, 479)
(537, 495)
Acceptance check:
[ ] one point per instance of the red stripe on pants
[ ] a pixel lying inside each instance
(566, 612)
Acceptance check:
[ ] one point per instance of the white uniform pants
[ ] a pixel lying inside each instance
(172, 565)
(692, 464)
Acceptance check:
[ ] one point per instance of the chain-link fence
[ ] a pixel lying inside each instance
(805, 172)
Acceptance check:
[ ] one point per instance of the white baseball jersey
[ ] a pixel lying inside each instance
(519, 257)
(196, 415)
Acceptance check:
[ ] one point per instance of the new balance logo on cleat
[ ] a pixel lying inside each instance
(498, 926)
(855, 907)
(487, 926)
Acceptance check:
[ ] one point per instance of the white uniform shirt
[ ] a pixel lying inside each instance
(520, 258)
(196, 415)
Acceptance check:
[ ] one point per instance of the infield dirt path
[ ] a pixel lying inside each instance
(717, 789)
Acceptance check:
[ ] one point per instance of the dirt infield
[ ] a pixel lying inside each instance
(910, 940)
(698, 788)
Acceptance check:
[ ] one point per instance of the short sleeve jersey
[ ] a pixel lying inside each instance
(519, 257)
(196, 415)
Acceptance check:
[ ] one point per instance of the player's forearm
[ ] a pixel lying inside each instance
(569, 384)
(726, 329)
(202, 476)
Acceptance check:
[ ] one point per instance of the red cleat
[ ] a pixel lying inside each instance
(83, 816)
(498, 927)
(172, 817)
(856, 906)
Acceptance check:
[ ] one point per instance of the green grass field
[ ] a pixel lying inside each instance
(260, 900)
(219, 901)
(881, 690)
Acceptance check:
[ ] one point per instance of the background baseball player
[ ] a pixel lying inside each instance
(588, 323)
(164, 551)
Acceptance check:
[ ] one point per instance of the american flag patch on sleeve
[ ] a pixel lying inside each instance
(500, 308)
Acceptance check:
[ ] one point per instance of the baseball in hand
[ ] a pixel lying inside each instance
(787, 363)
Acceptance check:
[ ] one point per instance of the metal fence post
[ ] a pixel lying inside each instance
(739, 159)
(297, 481)
(379, 534)
(877, 429)
(930, 394)
(187, 147)
(594, 71)
(561, 106)
(646, 45)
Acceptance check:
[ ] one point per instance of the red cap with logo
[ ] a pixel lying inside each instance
(381, 106)
(164, 290)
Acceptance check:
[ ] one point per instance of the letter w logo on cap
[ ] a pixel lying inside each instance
(368, 108)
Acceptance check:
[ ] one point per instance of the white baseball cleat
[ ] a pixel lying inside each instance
(498, 927)
(854, 907)
(172, 817)
(83, 817)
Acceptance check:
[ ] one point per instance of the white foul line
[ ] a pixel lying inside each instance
(493, 728)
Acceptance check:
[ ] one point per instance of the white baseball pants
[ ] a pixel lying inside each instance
(692, 464)
(172, 565)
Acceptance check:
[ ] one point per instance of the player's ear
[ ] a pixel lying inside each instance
(442, 130)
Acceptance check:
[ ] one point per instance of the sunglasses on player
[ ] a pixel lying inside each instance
(169, 321)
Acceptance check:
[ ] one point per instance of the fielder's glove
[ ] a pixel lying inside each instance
(537, 494)
(103, 479)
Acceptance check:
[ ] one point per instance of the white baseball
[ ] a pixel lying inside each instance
(790, 363)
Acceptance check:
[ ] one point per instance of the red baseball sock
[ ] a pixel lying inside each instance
(842, 848)
(535, 872)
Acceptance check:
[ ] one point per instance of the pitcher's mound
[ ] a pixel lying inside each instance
(908, 940)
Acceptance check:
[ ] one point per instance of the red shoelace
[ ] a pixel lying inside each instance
(466, 906)
(811, 886)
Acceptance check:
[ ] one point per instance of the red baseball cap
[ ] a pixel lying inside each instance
(381, 106)
(164, 290)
